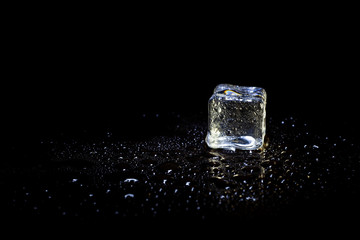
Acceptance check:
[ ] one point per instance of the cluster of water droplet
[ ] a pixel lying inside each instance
(179, 175)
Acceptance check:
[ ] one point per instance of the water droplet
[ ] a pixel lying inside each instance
(129, 180)
(129, 195)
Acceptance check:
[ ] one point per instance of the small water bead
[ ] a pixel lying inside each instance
(131, 180)
(129, 195)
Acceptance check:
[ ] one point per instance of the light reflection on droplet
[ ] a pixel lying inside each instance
(129, 195)
(128, 180)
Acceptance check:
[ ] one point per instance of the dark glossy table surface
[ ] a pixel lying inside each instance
(157, 167)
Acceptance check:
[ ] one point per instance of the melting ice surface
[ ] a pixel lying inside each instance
(236, 117)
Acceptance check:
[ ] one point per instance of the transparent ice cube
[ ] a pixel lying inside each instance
(236, 117)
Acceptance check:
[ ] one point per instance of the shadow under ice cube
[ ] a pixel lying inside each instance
(236, 117)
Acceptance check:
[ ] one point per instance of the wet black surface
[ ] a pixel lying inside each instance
(98, 157)
(166, 172)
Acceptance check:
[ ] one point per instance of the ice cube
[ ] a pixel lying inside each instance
(236, 117)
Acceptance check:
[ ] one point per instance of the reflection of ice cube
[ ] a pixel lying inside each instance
(236, 117)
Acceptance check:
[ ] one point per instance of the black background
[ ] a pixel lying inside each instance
(77, 67)
(53, 90)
